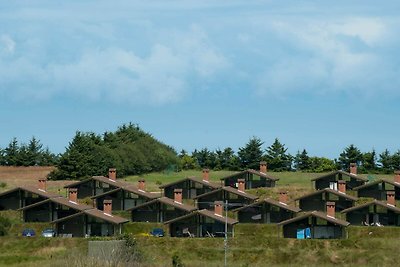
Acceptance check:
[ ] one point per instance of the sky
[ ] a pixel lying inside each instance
(319, 75)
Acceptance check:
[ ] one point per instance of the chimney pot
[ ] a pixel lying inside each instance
(42, 184)
(218, 208)
(283, 197)
(397, 176)
(241, 185)
(107, 206)
(263, 166)
(342, 186)
(353, 168)
(142, 184)
(390, 198)
(112, 174)
(178, 195)
(73, 195)
(330, 209)
(206, 175)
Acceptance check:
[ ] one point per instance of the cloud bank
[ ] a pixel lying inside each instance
(156, 53)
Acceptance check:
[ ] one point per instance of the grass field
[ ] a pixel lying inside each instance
(253, 245)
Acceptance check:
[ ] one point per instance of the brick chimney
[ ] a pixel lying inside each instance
(397, 177)
(241, 185)
(142, 185)
(390, 198)
(353, 168)
(330, 209)
(107, 206)
(73, 195)
(263, 166)
(112, 174)
(218, 208)
(206, 175)
(342, 186)
(42, 184)
(283, 197)
(178, 195)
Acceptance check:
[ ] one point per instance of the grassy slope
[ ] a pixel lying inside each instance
(253, 245)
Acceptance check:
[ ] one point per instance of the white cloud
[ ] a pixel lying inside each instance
(115, 73)
(7, 44)
(330, 56)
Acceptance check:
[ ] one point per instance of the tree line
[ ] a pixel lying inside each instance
(30, 154)
(133, 151)
(279, 159)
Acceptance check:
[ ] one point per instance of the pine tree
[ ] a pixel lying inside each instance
(11, 153)
(385, 160)
(302, 161)
(350, 154)
(369, 161)
(277, 158)
(251, 154)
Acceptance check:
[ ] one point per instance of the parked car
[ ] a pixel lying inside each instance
(48, 232)
(28, 232)
(158, 232)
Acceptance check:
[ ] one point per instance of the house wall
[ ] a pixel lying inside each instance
(10, 201)
(312, 203)
(266, 214)
(328, 231)
(39, 213)
(198, 226)
(74, 226)
(369, 216)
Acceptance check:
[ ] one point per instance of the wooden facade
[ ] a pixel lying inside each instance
(253, 179)
(330, 180)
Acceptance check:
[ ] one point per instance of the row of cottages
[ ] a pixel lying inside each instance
(68, 216)
(252, 178)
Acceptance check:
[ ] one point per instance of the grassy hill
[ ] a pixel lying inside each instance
(253, 245)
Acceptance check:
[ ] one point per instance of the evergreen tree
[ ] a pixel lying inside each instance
(277, 158)
(350, 154)
(251, 154)
(302, 161)
(225, 159)
(385, 160)
(396, 161)
(11, 153)
(368, 161)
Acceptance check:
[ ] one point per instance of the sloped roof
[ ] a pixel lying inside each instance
(62, 201)
(258, 173)
(33, 190)
(116, 183)
(374, 202)
(194, 179)
(205, 213)
(395, 184)
(328, 190)
(230, 190)
(340, 172)
(97, 214)
(129, 188)
(272, 202)
(167, 201)
(318, 214)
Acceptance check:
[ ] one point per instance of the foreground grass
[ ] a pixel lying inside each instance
(253, 245)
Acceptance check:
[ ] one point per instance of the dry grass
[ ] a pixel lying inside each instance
(18, 176)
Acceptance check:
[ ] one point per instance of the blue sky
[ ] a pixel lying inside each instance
(196, 74)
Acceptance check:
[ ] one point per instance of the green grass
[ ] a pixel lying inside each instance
(253, 245)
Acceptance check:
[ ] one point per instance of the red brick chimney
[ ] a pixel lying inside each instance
(390, 198)
(107, 206)
(241, 185)
(283, 197)
(112, 174)
(42, 184)
(73, 195)
(218, 208)
(330, 209)
(263, 166)
(397, 177)
(178, 195)
(342, 186)
(353, 168)
(142, 185)
(206, 175)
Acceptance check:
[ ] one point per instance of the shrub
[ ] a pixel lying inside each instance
(5, 224)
